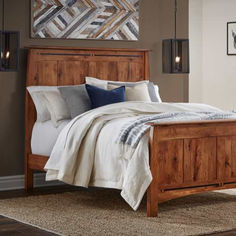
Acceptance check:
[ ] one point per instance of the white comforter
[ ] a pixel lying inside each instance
(86, 152)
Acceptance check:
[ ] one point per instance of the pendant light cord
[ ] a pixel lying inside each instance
(175, 16)
(3, 15)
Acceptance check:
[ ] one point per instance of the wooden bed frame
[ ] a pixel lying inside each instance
(185, 157)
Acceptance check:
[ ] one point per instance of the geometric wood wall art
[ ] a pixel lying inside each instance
(86, 19)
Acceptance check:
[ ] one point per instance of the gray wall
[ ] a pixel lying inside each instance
(156, 22)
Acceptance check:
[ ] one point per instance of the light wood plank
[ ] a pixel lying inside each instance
(233, 157)
(153, 189)
(226, 157)
(199, 160)
(197, 130)
(170, 162)
(46, 73)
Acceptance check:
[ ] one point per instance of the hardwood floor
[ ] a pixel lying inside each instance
(226, 233)
(38, 191)
(9, 227)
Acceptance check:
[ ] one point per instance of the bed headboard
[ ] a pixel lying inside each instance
(69, 66)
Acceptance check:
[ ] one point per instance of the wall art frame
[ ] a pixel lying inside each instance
(85, 19)
(231, 38)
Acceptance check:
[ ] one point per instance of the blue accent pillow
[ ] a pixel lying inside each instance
(101, 97)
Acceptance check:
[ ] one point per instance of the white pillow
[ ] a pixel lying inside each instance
(138, 92)
(103, 83)
(43, 113)
(157, 93)
(56, 106)
(38, 98)
(96, 82)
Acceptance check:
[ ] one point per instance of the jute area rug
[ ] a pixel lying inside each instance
(104, 212)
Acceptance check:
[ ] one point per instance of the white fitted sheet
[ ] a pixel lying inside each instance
(44, 136)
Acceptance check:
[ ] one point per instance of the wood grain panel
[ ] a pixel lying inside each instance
(107, 50)
(214, 128)
(199, 160)
(136, 72)
(69, 72)
(233, 156)
(170, 162)
(102, 70)
(153, 189)
(37, 162)
(176, 193)
(122, 70)
(113, 71)
(226, 158)
(46, 73)
(92, 69)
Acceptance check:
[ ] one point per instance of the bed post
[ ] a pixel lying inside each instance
(146, 66)
(29, 176)
(30, 117)
(152, 192)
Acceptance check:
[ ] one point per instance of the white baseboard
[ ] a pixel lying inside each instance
(17, 182)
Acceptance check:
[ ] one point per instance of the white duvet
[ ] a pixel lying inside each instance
(86, 152)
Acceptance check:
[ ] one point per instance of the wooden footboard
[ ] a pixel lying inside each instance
(190, 157)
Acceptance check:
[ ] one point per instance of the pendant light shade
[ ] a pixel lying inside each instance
(175, 56)
(175, 53)
(9, 47)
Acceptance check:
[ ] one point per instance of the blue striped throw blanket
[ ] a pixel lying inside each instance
(133, 131)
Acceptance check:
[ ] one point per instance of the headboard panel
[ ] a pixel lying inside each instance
(60, 66)
(69, 66)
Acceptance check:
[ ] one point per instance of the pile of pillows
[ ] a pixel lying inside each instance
(58, 103)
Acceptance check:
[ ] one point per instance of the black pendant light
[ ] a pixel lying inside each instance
(9, 47)
(175, 53)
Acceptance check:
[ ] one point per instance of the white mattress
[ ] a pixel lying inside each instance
(44, 136)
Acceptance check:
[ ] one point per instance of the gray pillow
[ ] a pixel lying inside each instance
(152, 92)
(151, 89)
(76, 98)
